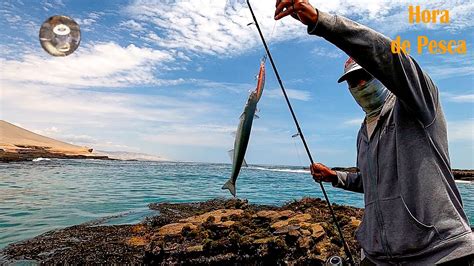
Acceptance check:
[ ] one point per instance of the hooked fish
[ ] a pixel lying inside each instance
(243, 130)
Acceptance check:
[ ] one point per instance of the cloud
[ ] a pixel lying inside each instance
(53, 3)
(192, 135)
(219, 27)
(113, 66)
(12, 19)
(111, 120)
(132, 24)
(461, 130)
(459, 98)
(391, 16)
(108, 108)
(468, 98)
(353, 122)
(47, 131)
(85, 22)
(333, 53)
(292, 94)
(209, 27)
(451, 66)
(81, 139)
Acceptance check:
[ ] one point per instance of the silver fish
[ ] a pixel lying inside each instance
(243, 130)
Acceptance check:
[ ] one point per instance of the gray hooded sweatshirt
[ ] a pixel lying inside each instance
(413, 210)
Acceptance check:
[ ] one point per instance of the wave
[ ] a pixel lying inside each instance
(41, 159)
(286, 170)
(464, 182)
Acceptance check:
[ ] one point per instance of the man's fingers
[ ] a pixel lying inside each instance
(315, 169)
(277, 3)
(282, 4)
(285, 13)
(283, 9)
(293, 15)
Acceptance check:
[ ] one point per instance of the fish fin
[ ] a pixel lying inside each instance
(256, 116)
(231, 155)
(244, 163)
(231, 187)
(242, 115)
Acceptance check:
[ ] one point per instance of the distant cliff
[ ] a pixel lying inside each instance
(19, 144)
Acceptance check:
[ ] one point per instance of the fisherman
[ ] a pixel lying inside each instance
(413, 210)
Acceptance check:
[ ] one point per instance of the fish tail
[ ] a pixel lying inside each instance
(230, 186)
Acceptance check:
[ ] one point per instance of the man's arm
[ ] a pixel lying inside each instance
(345, 180)
(372, 50)
(349, 181)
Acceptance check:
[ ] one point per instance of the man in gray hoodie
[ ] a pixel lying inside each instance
(413, 210)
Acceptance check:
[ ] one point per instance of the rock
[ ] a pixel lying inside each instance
(273, 215)
(305, 232)
(139, 228)
(355, 222)
(286, 214)
(227, 223)
(293, 220)
(137, 241)
(294, 232)
(266, 214)
(265, 240)
(197, 248)
(303, 217)
(174, 228)
(281, 230)
(214, 232)
(318, 231)
(217, 214)
(305, 242)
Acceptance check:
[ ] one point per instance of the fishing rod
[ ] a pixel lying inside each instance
(346, 248)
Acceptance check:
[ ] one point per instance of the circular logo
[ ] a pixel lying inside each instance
(60, 35)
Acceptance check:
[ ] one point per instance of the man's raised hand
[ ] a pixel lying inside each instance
(300, 10)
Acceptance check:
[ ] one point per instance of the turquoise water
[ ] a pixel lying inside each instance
(36, 197)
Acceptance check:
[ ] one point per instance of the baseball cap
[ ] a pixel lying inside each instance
(349, 66)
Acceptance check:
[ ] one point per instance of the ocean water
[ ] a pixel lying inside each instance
(36, 197)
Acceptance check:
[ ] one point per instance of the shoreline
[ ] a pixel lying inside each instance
(35, 153)
(464, 175)
(215, 232)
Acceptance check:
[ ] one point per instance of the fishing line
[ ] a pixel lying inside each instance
(296, 148)
(346, 248)
(273, 31)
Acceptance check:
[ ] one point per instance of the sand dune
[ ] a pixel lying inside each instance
(16, 139)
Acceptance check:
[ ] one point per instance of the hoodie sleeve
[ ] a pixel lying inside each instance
(349, 181)
(399, 72)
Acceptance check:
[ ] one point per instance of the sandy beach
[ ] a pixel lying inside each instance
(19, 144)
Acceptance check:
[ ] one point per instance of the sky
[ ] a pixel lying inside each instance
(171, 78)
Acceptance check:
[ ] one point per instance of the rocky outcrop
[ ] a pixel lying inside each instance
(30, 153)
(215, 232)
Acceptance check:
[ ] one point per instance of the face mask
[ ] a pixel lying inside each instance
(370, 96)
